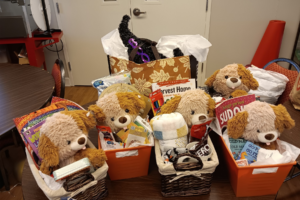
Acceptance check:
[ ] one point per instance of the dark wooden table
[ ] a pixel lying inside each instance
(23, 89)
(148, 187)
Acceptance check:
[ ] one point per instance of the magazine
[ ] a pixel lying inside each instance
(171, 88)
(227, 109)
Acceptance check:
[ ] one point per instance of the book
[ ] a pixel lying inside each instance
(171, 88)
(249, 152)
(236, 145)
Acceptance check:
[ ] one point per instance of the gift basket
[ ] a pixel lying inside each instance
(249, 131)
(124, 133)
(62, 160)
(185, 155)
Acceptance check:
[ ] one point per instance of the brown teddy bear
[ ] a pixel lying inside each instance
(193, 105)
(232, 80)
(260, 123)
(118, 109)
(63, 138)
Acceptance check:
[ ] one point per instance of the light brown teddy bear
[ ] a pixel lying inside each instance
(63, 140)
(193, 105)
(118, 109)
(232, 80)
(260, 123)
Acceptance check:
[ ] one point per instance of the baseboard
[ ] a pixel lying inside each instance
(67, 81)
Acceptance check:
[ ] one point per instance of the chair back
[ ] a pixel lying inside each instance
(58, 73)
(292, 76)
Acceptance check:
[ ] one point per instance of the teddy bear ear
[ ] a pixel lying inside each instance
(97, 112)
(209, 82)
(239, 93)
(283, 119)
(247, 78)
(132, 100)
(171, 105)
(236, 125)
(48, 151)
(211, 105)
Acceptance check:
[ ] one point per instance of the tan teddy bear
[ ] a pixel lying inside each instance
(260, 123)
(118, 109)
(232, 80)
(63, 140)
(193, 105)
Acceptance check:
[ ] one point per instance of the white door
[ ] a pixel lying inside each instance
(168, 17)
(84, 22)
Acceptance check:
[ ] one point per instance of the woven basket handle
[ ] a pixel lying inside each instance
(153, 47)
(187, 166)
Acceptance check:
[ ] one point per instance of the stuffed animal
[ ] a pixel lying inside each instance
(260, 123)
(193, 105)
(127, 35)
(232, 80)
(63, 139)
(118, 109)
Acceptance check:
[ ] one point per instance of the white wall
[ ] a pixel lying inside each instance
(237, 26)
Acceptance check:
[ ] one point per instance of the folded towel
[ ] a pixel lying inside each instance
(169, 126)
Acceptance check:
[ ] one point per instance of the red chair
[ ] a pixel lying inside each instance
(290, 74)
(58, 73)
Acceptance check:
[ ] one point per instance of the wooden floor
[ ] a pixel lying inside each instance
(83, 95)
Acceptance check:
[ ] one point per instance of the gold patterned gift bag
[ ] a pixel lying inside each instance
(159, 70)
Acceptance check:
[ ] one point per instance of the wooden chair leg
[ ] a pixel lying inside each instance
(3, 173)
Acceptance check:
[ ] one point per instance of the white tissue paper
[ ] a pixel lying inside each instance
(50, 182)
(195, 45)
(113, 45)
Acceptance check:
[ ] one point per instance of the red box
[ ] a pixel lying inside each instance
(130, 166)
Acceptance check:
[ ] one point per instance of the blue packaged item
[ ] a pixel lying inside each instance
(249, 152)
(236, 145)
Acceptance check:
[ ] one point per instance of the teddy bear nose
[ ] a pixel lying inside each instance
(269, 136)
(81, 140)
(202, 117)
(234, 80)
(122, 120)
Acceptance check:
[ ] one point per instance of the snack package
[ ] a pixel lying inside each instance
(249, 152)
(295, 93)
(102, 83)
(142, 122)
(236, 145)
(134, 140)
(107, 139)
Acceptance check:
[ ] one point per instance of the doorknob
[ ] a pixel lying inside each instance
(137, 12)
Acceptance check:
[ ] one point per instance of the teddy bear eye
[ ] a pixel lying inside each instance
(258, 131)
(192, 112)
(69, 142)
(208, 112)
(127, 110)
(240, 77)
(112, 119)
(226, 77)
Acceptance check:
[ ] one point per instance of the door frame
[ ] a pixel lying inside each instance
(201, 66)
(70, 82)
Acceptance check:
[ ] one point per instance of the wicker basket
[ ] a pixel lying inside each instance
(81, 186)
(186, 179)
(97, 192)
